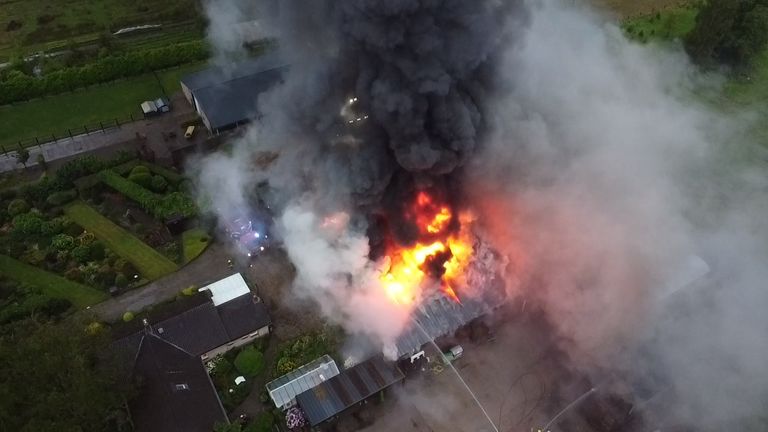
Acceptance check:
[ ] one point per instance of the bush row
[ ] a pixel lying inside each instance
(162, 207)
(17, 86)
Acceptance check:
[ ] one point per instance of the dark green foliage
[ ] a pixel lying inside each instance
(250, 362)
(17, 207)
(139, 169)
(262, 423)
(161, 207)
(158, 184)
(27, 224)
(306, 348)
(142, 179)
(81, 254)
(22, 155)
(56, 377)
(24, 301)
(61, 198)
(17, 86)
(41, 161)
(63, 242)
(121, 281)
(98, 251)
(729, 32)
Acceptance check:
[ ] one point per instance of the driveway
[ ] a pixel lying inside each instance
(209, 267)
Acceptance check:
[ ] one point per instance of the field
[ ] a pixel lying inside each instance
(49, 283)
(89, 106)
(672, 23)
(30, 26)
(150, 263)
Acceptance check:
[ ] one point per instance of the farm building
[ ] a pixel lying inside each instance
(351, 388)
(283, 390)
(227, 97)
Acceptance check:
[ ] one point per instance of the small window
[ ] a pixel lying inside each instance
(182, 386)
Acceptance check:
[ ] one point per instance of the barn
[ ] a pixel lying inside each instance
(226, 97)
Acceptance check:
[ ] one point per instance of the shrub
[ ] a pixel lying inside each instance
(128, 316)
(63, 242)
(74, 274)
(81, 254)
(140, 169)
(263, 423)
(17, 207)
(161, 207)
(190, 290)
(61, 198)
(142, 179)
(97, 251)
(27, 224)
(158, 184)
(121, 281)
(250, 362)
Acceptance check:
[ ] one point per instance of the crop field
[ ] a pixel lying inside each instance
(50, 284)
(29, 26)
(151, 263)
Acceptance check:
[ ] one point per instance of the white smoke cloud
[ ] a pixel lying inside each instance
(333, 269)
(604, 172)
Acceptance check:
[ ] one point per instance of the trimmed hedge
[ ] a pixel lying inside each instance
(17, 86)
(162, 207)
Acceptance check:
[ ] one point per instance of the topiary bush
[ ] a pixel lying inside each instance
(81, 254)
(159, 184)
(128, 316)
(63, 242)
(121, 281)
(141, 179)
(17, 207)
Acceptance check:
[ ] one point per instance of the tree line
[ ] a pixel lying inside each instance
(16, 86)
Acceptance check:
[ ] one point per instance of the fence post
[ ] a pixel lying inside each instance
(102, 127)
(117, 123)
(20, 147)
(86, 129)
(54, 136)
(132, 117)
(37, 141)
(69, 131)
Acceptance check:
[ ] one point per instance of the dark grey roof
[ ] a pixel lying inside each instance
(175, 393)
(229, 95)
(197, 330)
(347, 389)
(242, 315)
(440, 316)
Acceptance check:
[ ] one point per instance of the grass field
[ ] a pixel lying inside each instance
(55, 114)
(194, 243)
(45, 24)
(671, 23)
(633, 8)
(151, 263)
(49, 283)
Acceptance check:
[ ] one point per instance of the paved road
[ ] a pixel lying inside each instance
(207, 268)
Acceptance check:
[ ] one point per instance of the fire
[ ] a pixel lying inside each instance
(443, 255)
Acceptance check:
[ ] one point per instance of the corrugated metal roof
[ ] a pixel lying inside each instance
(283, 390)
(347, 389)
(439, 316)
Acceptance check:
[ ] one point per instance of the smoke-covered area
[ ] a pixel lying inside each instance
(589, 160)
(604, 174)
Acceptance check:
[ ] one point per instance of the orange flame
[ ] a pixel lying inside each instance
(408, 268)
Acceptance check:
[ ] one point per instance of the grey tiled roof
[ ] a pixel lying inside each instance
(347, 389)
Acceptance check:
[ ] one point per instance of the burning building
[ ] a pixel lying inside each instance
(380, 110)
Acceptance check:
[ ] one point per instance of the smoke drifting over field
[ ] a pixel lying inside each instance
(591, 163)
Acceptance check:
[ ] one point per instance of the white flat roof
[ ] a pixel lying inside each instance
(227, 289)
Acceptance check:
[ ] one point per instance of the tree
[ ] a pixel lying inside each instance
(22, 156)
(17, 207)
(729, 32)
(57, 376)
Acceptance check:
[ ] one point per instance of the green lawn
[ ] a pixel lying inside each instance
(194, 243)
(673, 23)
(151, 263)
(55, 114)
(49, 283)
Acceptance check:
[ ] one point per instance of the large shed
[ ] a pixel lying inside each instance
(226, 97)
(349, 388)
